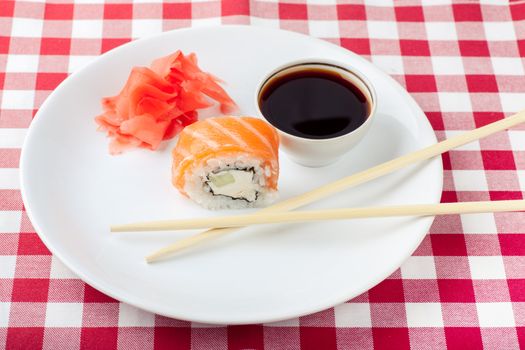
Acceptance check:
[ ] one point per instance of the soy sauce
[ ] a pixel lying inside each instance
(313, 103)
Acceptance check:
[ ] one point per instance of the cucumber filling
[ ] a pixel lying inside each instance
(234, 183)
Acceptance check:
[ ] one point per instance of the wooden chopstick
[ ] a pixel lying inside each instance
(327, 214)
(353, 180)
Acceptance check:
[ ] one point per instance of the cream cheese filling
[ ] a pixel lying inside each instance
(237, 184)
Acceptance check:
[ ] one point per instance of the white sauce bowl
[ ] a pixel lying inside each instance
(320, 152)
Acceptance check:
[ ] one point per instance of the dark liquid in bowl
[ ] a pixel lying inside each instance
(313, 103)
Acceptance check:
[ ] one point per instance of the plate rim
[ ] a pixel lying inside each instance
(145, 304)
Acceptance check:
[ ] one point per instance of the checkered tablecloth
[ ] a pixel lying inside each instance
(464, 287)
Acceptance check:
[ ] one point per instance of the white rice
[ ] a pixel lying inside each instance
(198, 190)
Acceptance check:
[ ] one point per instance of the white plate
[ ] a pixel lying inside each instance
(73, 190)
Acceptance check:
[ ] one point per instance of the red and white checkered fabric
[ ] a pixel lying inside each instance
(463, 62)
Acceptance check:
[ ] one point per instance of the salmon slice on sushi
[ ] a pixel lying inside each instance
(227, 162)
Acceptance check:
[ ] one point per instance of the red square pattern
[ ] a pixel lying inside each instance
(516, 290)
(474, 48)
(4, 44)
(414, 47)
(447, 164)
(351, 11)
(176, 11)
(108, 44)
(55, 46)
(409, 14)
(172, 338)
(98, 338)
(391, 338)
(512, 244)
(7, 9)
(390, 290)
(484, 118)
(58, 11)
(49, 81)
(30, 337)
(313, 338)
(30, 290)
(456, 291)
(521, 47)
(448, 244)
(293, 11)
(448, 196)
(436, 120)
(359, 46)
(498, 160)
(521, 336)
(118, 11)
(235, 7)
(467, 12)
(482, 83)
(518, 11)
(245, 337)
(505, 195)
(420, 83)
(462, 338)
(30, 244)
(91, 295)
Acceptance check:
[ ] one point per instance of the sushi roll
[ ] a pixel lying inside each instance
(227, 162)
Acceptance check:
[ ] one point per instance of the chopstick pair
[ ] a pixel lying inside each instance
(353, 180)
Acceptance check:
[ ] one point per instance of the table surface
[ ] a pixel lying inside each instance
(463, 288)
